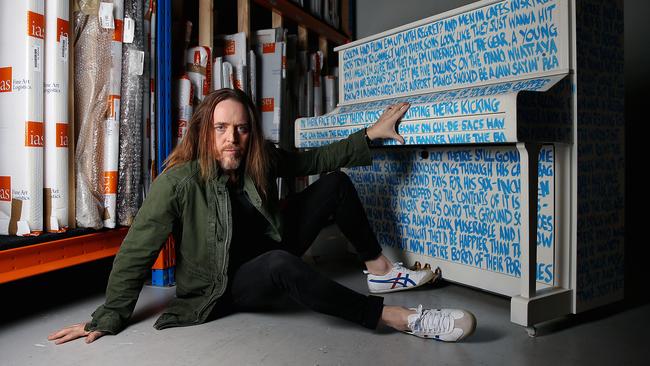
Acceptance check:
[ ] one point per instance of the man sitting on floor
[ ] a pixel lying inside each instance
(239, 248)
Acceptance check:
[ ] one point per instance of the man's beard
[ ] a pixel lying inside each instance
(228, 162)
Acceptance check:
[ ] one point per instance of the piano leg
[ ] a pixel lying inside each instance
(532, 306)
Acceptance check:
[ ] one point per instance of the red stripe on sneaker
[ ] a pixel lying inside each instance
(396, 281)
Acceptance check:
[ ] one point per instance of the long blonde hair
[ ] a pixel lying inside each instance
(199, 142)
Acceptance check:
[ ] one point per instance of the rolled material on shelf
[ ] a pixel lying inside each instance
(146, 118)
(233, 49)
(57, 20)
(303, 87)
(22, 32)
(129, 184)
(227, 75)
(310, 93)
(217, 70)
(317, 67)
(252, 76)
(240, 80)
(112, 130)
(184, 88)
(269, 66)
(198, 67)
(330, 93)
(152, 90)
(92, 47)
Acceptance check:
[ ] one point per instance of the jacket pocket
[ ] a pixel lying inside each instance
(191, 282)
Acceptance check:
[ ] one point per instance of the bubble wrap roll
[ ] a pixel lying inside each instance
(129, 184)
(146, 122)
(92, 47)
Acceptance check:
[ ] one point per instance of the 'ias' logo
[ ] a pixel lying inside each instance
(34, 134)
(61, 135)
(5, 79)
(5, 189)
(36, 25)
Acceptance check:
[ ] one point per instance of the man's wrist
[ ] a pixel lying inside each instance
(365, 135)
(370, 136)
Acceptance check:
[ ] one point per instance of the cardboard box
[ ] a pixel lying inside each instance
(22, 34)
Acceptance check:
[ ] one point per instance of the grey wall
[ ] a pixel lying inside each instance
(376, 16)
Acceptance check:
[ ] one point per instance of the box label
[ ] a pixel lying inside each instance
(36, 58)
(106, 19)
(136, 62)
(129, 30)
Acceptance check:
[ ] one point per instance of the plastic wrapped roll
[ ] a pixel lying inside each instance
(152, 89)
(316, 68)
(330, 93)
(92, 47)
(130, 164)
(303, 87)
(252, 75)
(310, 93)
(146, 121)
(217, 70)
(198, 67)
(57, 17)
(184, 97)
(112, 130)
(22, 32)
(227, 75)
(240, 78)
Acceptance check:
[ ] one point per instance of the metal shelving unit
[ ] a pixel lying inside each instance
(30, 260)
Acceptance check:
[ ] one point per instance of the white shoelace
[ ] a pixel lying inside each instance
(431, 321)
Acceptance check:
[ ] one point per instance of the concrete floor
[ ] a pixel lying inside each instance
(35, 307)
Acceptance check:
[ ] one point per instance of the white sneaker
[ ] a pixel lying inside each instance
(398, 279)
(449, 325)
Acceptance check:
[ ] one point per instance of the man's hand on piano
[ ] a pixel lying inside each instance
(385, 127)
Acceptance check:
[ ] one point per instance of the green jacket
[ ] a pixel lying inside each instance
(198, 214)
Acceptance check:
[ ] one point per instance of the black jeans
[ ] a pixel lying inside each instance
(259, 282)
